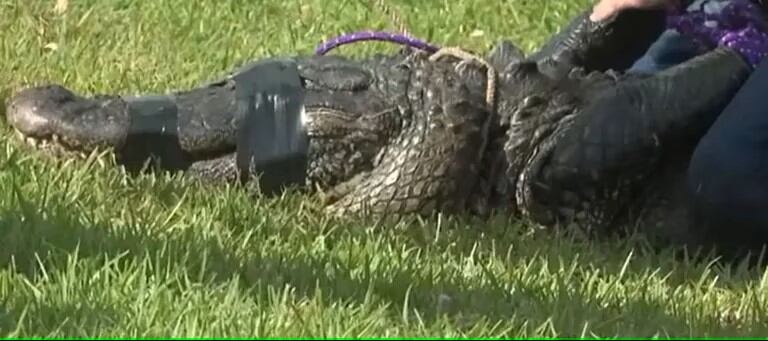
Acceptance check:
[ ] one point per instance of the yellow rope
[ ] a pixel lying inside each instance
(490, 91)
(491, 74)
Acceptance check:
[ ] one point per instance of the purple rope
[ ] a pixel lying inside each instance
(374, 35)
(740, 26)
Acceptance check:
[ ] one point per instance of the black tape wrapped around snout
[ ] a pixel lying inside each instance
(272, 142)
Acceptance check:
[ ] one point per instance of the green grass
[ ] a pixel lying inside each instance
(86, 250)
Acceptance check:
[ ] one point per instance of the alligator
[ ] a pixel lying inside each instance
(569, 140)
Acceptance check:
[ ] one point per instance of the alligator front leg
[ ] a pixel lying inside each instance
(611, 44)
(433, 165)
(602, 159)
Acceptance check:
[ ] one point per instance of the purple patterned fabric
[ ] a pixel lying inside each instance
(373, 35)
(740, 26)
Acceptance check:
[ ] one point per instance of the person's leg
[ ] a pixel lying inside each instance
(728, 172)
(670, 49)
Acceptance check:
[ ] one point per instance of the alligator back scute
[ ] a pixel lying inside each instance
(335, 73)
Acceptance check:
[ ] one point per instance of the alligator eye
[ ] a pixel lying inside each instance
(522, 115)
(402, 66)
(531, 101)
(436, 125)
(577, 73)
(435, 110)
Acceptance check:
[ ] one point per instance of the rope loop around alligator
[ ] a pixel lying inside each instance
(434, 51)
(491, 73)
(403, 38)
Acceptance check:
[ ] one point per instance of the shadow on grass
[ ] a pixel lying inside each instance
(35, 231)
(47, 232)
(27, 233)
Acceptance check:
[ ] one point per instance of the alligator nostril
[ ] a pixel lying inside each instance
(32, 110)
(26, 118)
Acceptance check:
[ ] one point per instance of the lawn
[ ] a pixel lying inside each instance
(88, 250)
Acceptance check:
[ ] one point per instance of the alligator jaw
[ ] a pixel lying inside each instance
(55, 120)
(51, 145)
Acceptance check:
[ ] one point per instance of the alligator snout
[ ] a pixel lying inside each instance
(54, 113)
(29, 111)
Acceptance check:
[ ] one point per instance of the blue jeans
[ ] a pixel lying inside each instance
(671, 48)
(728, 172)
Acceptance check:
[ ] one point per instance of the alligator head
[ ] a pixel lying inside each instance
(350, 111)
(393, 133)
(353, 110)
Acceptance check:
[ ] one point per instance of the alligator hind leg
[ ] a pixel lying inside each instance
(610, 154)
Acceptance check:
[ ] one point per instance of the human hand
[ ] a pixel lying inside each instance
(607, 8)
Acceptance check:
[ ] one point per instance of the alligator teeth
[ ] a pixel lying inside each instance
(53, 144)
(37, 143)
(32, 141)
